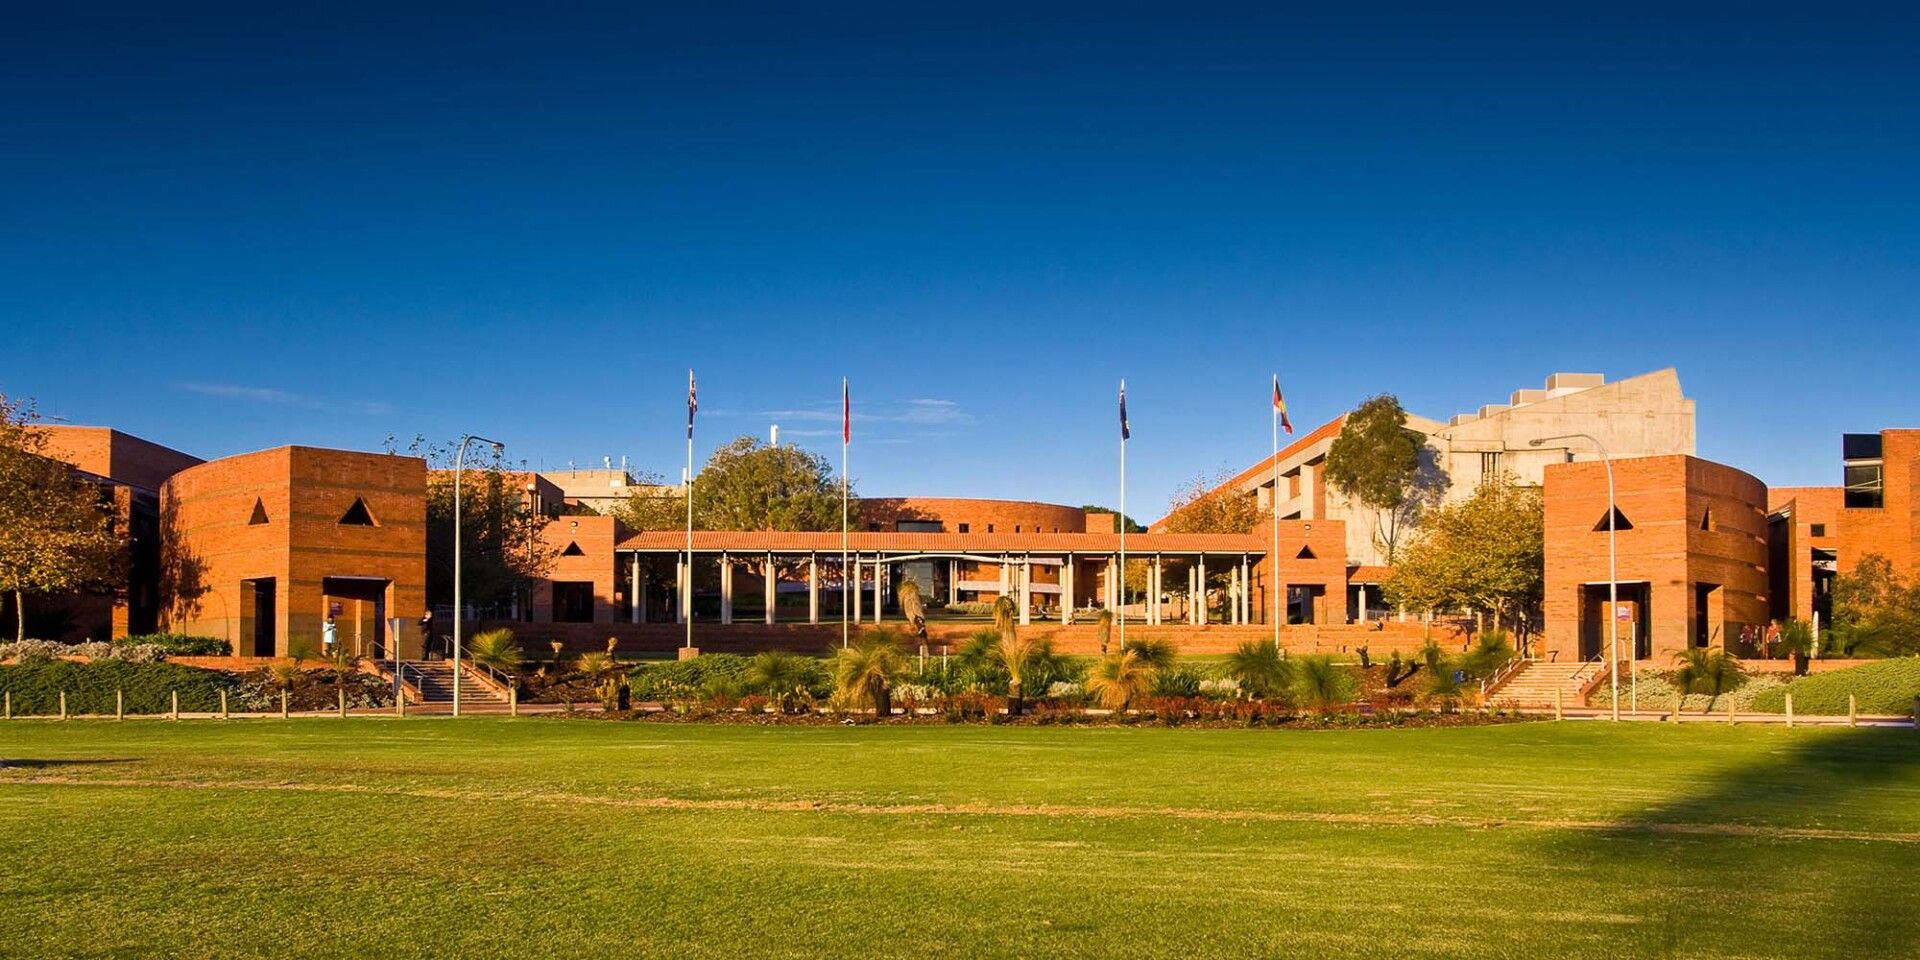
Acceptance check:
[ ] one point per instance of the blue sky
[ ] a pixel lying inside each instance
(230, 229)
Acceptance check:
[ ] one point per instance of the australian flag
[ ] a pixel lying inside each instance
(1125, 432)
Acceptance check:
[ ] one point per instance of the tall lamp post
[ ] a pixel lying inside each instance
(459, 466)
(1613, 565)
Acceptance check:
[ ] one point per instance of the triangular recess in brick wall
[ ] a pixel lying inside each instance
(1706, 519)
(259, 513)
(573, 550)
(1620, 521)
(1306, 553)
(357, 515)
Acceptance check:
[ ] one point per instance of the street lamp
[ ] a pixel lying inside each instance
(459, 465)
(1613, 565)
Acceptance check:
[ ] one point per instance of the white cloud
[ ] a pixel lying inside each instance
(278, 397)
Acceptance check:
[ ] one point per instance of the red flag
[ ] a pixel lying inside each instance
(846, 413)
(1280, 405)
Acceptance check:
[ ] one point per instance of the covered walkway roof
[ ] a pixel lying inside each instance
(752, 541)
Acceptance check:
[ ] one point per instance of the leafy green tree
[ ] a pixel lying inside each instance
(1385, 466)
(1796, 640)
(501, 552)
(1875, 611)
(1209, 504)
(57, 533)
(745, 485)
(1487, 552)
(1126, 522)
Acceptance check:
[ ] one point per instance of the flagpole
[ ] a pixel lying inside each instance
(1120, 576)
(1273, 507)
(846, 436)
(689, 485)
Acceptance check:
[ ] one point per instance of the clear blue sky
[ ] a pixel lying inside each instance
(232, 229)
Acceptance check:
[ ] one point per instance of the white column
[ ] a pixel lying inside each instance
(770, 586)
(726, 589)
(1153, 592)
(633, 588)
(1026, 591)
(853, 583)
(681, 590)
(813, 588)
(642, 612)
(1006, 577)
(1200, 564)
(1234, 616)
(953, 582)
(1193, 609)
(879, 588)
(1066, 590)
(1246, 590)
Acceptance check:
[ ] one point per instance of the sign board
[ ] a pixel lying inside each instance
(1623, 612)
(333, 608)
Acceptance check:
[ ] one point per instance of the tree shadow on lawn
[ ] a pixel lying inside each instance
(1859, 783)
(30, 764)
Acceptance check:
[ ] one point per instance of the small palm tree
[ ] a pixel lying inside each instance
(866, 671)
(604, 671)
(1260, 668)
(1443, 686)
(1120, 679)
(1707, 672)
(496, 649)
(1796, 639)
(344, 664)
(1491, 651)
(782, 675)
(1155, 652)
(1320, 685)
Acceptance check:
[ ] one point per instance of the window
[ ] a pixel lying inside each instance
(357, 515)
(989, 528)
(966, 528)
(919, 526)
(1620, 521)
(1489, 465)
(1016, 528)
(1865, 487)
(1706, 519)
(1819, 529)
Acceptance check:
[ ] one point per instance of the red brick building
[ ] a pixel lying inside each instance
(1821, 532)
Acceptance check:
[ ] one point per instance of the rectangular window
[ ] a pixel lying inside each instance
(1489, 465)
(919, 526)
(1819, 529)
(1863, 486)
(966, 528)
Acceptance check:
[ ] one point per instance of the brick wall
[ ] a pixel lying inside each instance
(980, 516)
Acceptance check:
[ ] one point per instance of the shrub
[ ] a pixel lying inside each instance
(1260, 669)
(1320, 685)
(1707, 672)
(90, 686)
(1178, 683)
(1886, 687)
(677, 679)
(178, 644)
(1490, 652)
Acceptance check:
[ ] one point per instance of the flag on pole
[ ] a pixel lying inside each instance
(846, 413)
(693, 403)
(1125, 432)
(1280, 406)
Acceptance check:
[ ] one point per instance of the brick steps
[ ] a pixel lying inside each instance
(435, 681)
(1534, 684)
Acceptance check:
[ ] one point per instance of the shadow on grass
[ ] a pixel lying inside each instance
(29, 764)
(1854, 891)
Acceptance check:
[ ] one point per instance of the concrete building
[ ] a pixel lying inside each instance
(1641, 416)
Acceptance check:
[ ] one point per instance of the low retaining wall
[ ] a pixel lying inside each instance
(1380, 639)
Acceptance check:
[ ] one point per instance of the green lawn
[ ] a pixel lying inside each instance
(546, 837)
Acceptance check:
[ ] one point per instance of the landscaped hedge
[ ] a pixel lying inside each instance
(1886, 687)
(90, 686)
(178, 644)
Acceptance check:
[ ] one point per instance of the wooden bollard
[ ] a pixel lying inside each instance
(1558, 714)
(513, 700)
(176, 704)
(1853, 711)
(63, 704)
(119, 705)
(400, 703)
(343, 702)
(283, 704)
(9, 696)
(223, 703)
(1730, 717)
(1789, 711)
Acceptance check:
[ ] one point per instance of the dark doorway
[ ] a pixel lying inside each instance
(1632, 628)
(258, 616)
(358, 607)
(573, 601)
(1303, 601)
(1826, 566)
(1703, 625)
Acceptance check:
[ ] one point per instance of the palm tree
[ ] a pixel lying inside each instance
(866, 671)
(1796, 639)
(782, 675)
(911, 606)
(344, 663)
(1320, 685)
(495, 649)
(1260, 668)
(1120, 679)
(604, 671)
(1490, 652)
(1708, 672)
(1155, 652)
(1443, 687)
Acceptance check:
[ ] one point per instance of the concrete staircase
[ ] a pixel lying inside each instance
(1534, 683)
(434, 678)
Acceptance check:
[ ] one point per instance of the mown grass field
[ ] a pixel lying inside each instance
(547, 837)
